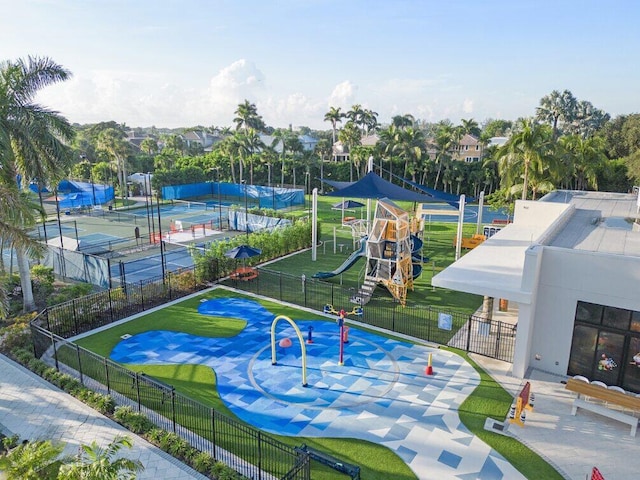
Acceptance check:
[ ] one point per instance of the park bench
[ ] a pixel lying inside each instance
(619, 406)
(324, 458)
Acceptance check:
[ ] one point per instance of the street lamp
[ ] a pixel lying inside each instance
(246, 210)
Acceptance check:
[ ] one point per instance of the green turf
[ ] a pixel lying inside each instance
(377, 462)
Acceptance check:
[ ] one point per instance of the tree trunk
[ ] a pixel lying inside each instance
(28, 302)
(525, 180)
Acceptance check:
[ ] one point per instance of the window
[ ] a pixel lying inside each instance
(606, 345)
(477, 147)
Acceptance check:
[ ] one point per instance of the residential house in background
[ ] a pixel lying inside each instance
(468, 150)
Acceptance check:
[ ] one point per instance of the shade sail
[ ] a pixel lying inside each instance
(348, 204)
(373, 186)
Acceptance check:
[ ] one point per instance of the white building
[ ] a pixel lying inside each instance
(571, 263)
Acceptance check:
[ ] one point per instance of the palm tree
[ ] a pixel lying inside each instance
(402, 121)
(471, 127)
(112, 142)
(32, 461)
(97, 463)
(250, 142)
(247, 117)
(530, 147)
(410, 147)
(149, 146)
(356, 115)
(323, 150)
(350, 137)
(280, 136)
(33, 142)
(335, 116)
(557, 107)
(369, 121)
(584, 158)
(445, 141)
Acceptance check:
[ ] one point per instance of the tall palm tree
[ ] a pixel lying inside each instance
(250, 143)
(410, 147)
(445, 141)
(530, 147)
(402, 121)
(112, 142)
(335, 116)
(584, 157)
(555, 108)
(471, 127)
(33, 139)
(356, 116)
(369, 121)
(350, 137)
(97, 463)
(247, 117)
(280, 136)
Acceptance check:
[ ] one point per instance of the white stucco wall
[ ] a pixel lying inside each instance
(569, 276)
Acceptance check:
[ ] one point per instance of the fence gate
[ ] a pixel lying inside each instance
(491, 338)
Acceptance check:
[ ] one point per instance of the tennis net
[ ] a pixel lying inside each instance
(189, 205)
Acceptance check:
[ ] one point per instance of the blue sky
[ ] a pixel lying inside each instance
(183, 63)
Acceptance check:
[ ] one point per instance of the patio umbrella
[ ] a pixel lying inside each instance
(243, 252)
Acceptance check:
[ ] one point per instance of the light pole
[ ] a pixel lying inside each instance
(246, 210)
(219, 198)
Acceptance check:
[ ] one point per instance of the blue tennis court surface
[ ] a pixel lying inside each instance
(381, 393)
(151, 266)
(100, 238)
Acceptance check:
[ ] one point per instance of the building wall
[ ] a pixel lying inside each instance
(566, 277)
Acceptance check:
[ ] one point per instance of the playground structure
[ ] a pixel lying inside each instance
(391, 251)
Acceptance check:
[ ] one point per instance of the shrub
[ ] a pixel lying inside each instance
(134, 421)
(203, 462)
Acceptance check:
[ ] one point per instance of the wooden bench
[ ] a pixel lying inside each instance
(244, 273)
(628, 406)
(352, 470)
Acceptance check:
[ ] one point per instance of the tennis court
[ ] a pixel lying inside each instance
(150, 266)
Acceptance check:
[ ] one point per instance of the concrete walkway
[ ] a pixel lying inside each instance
(573, 444)
(35, 410)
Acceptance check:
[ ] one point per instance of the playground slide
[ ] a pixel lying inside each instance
(417, 270)
(415, 248)
(348, 263)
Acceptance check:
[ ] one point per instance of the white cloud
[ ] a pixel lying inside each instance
(343, 95)
(467, 105)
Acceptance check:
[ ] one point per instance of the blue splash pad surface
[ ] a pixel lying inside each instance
(381, 393)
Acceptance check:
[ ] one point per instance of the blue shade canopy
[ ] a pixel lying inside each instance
(374, 186)
(242, 251)
(348, 204)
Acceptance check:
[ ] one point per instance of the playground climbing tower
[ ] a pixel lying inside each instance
(389, 250)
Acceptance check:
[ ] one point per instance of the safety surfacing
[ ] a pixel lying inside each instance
(380, 392)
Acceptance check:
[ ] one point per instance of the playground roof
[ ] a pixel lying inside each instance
(374, 186)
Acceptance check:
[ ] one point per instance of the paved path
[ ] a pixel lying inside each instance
(574, 444)
(36, 410)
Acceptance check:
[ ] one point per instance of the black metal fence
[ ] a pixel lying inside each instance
(243, 448)
(470, 333)
(96, 310)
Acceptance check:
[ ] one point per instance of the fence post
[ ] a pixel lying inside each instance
(55, 350)
(136, 379)
(259, 455)
(106, 373)
(213, 433)
(110, 306)
(280, 284)
(173, 408)
(469, 332)
(75, 318)
(142, 296)
(429, 326)
(79, 364)
(393, 317)
(46, 312)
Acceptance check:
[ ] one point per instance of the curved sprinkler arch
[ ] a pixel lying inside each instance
(302, 345)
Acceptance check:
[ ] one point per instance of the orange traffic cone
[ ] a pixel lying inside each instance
(429, 369)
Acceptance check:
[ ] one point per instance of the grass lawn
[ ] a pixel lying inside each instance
(377, 462)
